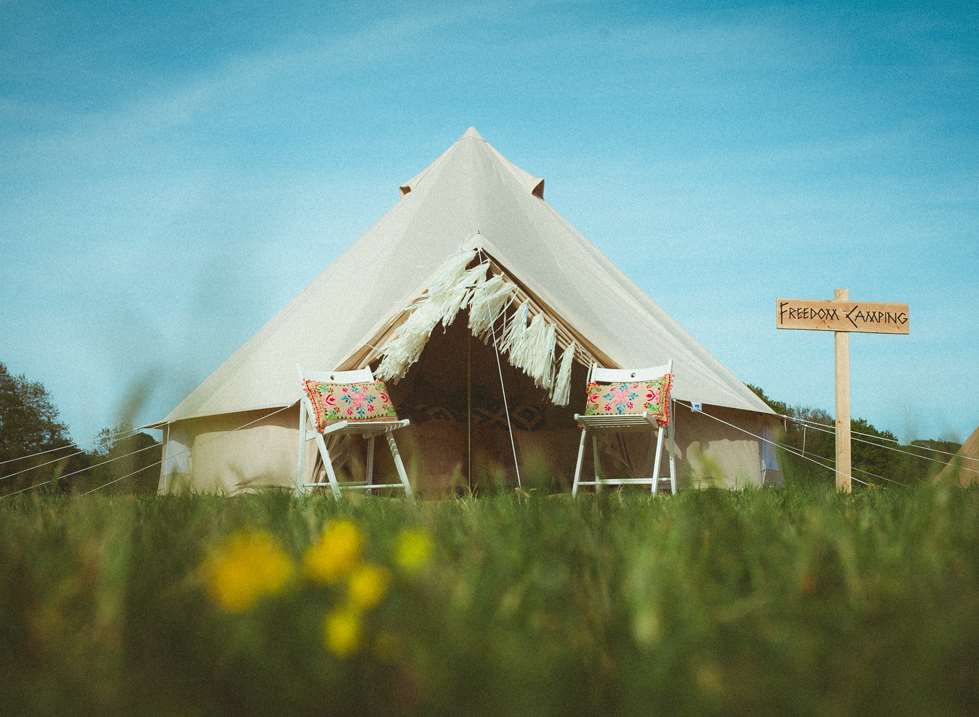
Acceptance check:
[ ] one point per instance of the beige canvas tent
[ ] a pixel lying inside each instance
(964, 465)
(470, 208)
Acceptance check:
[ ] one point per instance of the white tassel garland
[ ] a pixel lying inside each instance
(458, 297)
(516, 330)
(561, 392)
(532, 350)
(530, 344)
(489, 300)
(447, 293)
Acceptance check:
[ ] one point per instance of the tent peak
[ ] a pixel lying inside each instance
(472, 158)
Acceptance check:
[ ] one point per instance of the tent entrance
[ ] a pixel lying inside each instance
(458, 438)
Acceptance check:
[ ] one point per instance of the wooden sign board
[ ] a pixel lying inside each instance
(859, 316)
(842, 316)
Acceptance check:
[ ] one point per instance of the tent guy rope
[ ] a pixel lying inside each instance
(113, 436)
(789, 449)
(808, 421)
(886, 447)
(80, 470)
(122, 478)
(167, 458)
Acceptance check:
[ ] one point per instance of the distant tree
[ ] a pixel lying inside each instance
(122, 453)
(873, 460)
(29, 424)
(29, 421)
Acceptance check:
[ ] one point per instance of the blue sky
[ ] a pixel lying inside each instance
(171, 174)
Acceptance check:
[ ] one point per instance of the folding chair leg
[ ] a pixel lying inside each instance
(301, 457)
(656, 461)
(328, 464)
(672, 450)
(577, 467)
(399, 464)
(370, 463)
(594, 459)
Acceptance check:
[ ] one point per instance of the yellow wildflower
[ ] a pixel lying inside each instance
(335, 553)
(246, 567)
(413, 550)
(367, 585)
(341, 631)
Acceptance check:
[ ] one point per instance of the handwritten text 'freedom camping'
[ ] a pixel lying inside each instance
(842, 316)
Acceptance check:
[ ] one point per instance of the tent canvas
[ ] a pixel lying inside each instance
(470, 198)
(964, 466)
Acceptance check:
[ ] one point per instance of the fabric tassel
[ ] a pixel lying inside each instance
(407, 343)
(543, 365)
(458, 297)
(561, 391)
(446, 294)
(532, 350)
(516, 330)
(537, 358)
(489, 300)
(449, 274)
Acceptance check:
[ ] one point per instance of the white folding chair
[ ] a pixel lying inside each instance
(368, 429)
(626, 423)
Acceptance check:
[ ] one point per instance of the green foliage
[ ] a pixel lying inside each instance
(797, 601)
(29, 424)
(28, 418)
(122, 454)
(873, 459)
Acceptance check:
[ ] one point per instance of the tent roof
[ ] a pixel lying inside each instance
(471, 195)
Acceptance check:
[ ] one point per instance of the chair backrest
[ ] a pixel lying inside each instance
(360, 375)
(616, 375)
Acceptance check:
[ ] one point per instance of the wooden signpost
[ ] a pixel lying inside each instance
(842, 316)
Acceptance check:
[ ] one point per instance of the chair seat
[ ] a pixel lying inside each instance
(623, 481)
(354, 486)
(366, 428)
(619, 423)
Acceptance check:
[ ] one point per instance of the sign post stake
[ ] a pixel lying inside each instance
(842, 316)
(843, 454)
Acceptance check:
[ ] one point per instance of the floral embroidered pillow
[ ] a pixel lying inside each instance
(631, 397)
(334, 402)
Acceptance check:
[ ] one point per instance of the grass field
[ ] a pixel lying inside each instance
(795, 601)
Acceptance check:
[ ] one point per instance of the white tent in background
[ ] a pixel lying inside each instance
(964, 465)
(471, 204)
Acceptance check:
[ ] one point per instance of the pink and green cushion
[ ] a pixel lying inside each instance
(334, 402)
(631, 398)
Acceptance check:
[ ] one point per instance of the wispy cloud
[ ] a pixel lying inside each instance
(230, 81)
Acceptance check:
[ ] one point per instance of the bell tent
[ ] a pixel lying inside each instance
(483, 310)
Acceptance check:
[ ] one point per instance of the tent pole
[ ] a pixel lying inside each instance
(506, 409)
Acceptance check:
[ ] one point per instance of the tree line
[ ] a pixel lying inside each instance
(30, 425)
(870, 457)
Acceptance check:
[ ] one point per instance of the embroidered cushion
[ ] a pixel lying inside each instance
(631, 397)
(334, 402)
